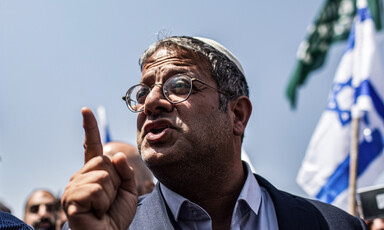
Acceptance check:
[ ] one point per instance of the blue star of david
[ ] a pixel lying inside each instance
(333, 105)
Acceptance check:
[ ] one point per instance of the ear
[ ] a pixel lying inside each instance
(241, 109)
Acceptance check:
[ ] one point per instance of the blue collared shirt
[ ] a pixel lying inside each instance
(254, 208)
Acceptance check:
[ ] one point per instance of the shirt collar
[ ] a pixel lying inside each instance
(250, 195)
(173, 200)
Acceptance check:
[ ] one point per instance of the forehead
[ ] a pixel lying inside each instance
(40, 197)
(168, 58)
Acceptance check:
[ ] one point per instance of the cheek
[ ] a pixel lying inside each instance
(140, 121)
(195, 111)
(180, 123)
(139, 124)
(31, 218)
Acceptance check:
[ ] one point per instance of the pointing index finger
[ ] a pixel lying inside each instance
(92, 142)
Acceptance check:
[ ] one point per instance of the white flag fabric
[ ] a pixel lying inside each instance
(359, 87)
(245, 157)
(102, 121)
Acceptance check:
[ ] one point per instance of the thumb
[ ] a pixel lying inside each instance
(125, 204)
(125, 172)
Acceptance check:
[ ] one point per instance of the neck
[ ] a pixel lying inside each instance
(215, 192)
(221, 209)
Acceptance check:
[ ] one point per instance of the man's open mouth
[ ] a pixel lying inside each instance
(157, 130)
(156, 127)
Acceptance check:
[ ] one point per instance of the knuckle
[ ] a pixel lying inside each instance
(103, 177)
(96, 191)
(95, 163)
(106, 159)
(73, 177)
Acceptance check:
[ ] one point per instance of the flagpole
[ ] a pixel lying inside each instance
(353, 164)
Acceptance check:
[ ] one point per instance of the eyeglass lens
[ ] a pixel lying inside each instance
(175, 89)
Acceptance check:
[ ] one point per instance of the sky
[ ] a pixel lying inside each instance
(59, 56)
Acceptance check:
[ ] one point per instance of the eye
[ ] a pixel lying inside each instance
(142, 93)
(180, 85)
(34, 209)
(50, 207)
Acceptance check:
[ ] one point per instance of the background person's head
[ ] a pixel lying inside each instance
(41, 210)
(61, 218)
(143, 176)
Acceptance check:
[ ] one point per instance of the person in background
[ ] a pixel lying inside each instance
(61, 218)
(143, 176)
(192, 104)
(41, 210)
(376, 224)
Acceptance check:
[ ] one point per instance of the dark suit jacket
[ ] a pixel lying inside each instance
(10, 222)
(293, 212)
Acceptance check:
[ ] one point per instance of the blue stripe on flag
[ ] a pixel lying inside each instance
(351, 40)
(366, 88)
(364, 14)
(338, 181)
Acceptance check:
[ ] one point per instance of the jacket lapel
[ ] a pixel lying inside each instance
(293, 212)
(151, 213)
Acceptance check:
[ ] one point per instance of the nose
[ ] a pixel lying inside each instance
(155, 102)
(43, 211)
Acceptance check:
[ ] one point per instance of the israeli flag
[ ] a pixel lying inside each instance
(105, 135)
(357, 90)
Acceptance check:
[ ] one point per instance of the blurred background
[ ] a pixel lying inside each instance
(59, 56)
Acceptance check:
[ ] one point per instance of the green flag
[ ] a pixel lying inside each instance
(376, 9)
(332, 24)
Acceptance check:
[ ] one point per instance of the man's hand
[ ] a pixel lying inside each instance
(102, 195)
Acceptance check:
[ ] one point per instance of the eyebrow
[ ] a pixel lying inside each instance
(168, 74)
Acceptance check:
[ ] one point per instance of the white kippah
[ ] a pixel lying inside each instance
(223, 50)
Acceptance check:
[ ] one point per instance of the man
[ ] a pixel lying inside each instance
(192, 109)
(41, 210)
(143, 176)
(61, 218)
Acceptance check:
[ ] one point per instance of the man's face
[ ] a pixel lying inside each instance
(189, 131)
(41, 211)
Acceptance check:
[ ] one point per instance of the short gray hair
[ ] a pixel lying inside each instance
(229, 77)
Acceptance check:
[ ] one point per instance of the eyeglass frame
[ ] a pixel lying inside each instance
(126, 97)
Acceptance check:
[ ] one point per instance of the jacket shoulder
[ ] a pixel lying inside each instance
(295, 212)
(337, 217)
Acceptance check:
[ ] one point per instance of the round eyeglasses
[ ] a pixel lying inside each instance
(176, 89)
